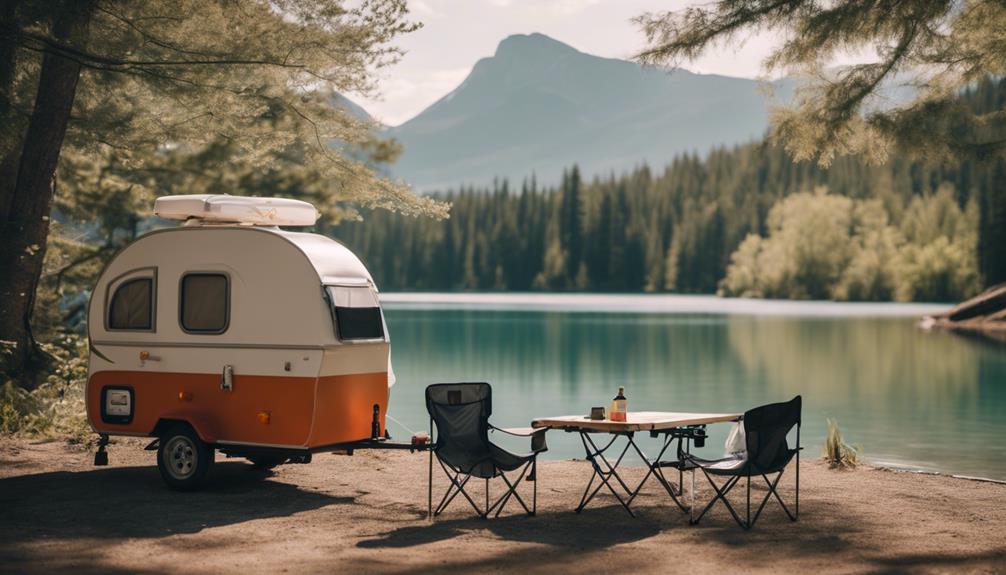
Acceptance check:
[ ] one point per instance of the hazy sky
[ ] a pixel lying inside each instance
(457, 33)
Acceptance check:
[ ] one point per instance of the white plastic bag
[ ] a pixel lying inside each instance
(736, 445)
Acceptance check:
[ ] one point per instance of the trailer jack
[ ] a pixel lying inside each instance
(101, 456)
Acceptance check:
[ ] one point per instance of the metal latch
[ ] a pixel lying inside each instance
(227, 378)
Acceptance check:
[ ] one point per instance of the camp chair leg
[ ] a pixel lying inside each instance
(773, 491)
(534, 473)
(747, 521)
(429, 512)
(461, 489)
(798, 448)
(721, 495)
(511, 491)
(452, 492)
(446, 499)
(761, 506)
(797, 515)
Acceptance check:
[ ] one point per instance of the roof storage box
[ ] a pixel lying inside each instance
(236, 209)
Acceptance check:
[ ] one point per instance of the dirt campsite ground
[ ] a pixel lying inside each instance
(367, 513)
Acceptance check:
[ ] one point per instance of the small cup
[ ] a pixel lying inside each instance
(597, 413)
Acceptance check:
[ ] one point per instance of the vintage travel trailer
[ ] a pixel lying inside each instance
(228, 333)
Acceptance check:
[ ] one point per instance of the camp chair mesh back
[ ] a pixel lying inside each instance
(461, 413)
(766, 428)
(768, 452)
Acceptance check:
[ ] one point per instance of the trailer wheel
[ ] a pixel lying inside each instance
(266, 461)
(183, 459)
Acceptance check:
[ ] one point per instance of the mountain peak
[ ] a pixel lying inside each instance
(539, 105)
(534, 44)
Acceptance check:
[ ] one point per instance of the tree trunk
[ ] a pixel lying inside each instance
(23, 238)
(10, 131)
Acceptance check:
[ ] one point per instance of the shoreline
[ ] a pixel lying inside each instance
(896, 469)
(671, 304)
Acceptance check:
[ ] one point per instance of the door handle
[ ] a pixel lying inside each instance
(227, 378)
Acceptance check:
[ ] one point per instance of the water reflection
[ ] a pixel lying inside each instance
(931, 400)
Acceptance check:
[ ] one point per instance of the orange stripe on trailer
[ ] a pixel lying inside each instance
(303, 411)
(344, 409)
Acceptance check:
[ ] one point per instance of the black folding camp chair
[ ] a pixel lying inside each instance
(462, 448)
(766, 428)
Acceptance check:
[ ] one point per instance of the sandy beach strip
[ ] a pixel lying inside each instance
(367, 513)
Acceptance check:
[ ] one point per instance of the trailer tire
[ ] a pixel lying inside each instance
(182, 458)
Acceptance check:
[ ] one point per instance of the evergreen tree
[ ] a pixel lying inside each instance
(571, 222)
(992, 226)
(681, 230)
(940, 48)
(130, 98)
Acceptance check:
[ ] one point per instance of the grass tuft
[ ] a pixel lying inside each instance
(838, 453)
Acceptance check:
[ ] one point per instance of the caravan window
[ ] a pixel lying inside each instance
(132, 305)
(357, 313)
(205, 303)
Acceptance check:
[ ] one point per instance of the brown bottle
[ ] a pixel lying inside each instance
(619, 406)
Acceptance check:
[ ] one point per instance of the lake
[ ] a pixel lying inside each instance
(921, 400)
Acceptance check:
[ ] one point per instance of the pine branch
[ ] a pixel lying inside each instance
(44, 44)
(154, 39)
(687, 33)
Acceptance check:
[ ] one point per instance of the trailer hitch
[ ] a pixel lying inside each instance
(419, 441)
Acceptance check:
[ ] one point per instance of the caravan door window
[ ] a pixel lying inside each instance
(205, 303)
(357, 313)
(132, 305)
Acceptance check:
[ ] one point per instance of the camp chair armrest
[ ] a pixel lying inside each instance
(537, 435)
(518, 431)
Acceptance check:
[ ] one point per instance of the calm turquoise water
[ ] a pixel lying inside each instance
(933, 401)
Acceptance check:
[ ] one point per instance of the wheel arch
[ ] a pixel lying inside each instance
(198, 424)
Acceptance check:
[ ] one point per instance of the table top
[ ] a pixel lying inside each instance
(635, 421)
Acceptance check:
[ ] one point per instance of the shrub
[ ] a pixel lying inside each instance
(837, 453)
(56, 407)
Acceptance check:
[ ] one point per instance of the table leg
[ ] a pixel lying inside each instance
(593, 454)
(668, 440)
(691, 494)
(654, 469)
(618, 461)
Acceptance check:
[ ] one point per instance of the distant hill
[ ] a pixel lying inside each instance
(538, 105)
(354, 109)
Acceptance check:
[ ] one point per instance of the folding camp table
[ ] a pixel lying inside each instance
(672, 425)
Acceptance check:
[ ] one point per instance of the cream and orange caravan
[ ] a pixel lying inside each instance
(228, 333)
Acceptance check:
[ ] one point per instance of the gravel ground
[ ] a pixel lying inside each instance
(367, 513)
